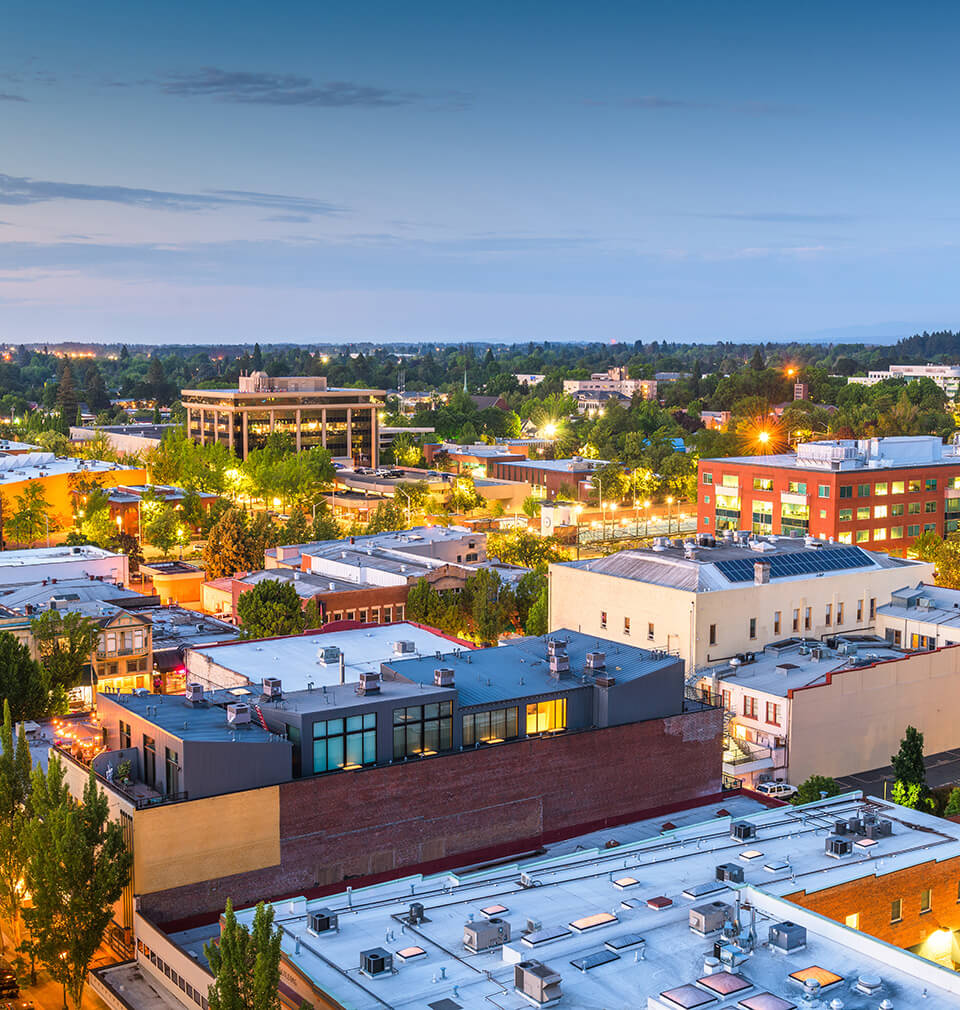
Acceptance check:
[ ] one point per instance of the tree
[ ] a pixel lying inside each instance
(536, 623)
(908, 766)
(163, 528)
(271, 608)
(67, 398)
(30, 519)
(231, 546)
(65, 641)
(23, 682)
(911, 795)
(387, 516)
(15, 764)
(531, 506)
(296, 530)
(952, 808)
(524, 548)
(811, 790)
(405, 451)
(757, 362)
(245, 963)
(325, 526)
(489, 608)
(95, 391)
(76, 869)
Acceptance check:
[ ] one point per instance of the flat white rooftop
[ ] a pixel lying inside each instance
(54, 555)
(614, 923)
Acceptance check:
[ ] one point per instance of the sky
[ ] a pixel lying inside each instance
(319, 171)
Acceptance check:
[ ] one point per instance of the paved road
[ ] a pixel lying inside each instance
(942, 769)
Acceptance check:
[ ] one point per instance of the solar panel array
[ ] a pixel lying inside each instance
(807, 562)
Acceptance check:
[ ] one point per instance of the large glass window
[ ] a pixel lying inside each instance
(797, 487)
(491, 727)
(546, 716)
(863, 490)
(149, 760)
(422, 729)
(794, 519)
(897, 487)
(341, 743)
(762, 483)
(880, 488)
(846, 515)
(731, 480)
(846, 490)
(762, 516)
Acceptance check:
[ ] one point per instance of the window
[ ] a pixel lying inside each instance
(823, 490)
(896, 510)
(880, 512)
(859, 611)
(547, 716)
(880, 489)
(713, 634)
(776, 622)
(773, 713)
(897, 487)
(929, 506)
(896, 910)
(111, 644)
(913, 531)
(913, 486)
(880, 533)
(338, 743)
(730, 480)
(650, 632)
(725, 701)
(873, 607)
(797, 487)
(603, 618)
(626, 625)
(796, 620)
(846, 515)
(149, 760)
(762, 483)
(863, 512)
(930, 484)
(896, 532)
(845, 538)
(863, 536)
(707, 477)
(823, 513)
(124, 728)
(806, 618)
(929, 528)
(853, 920)
(926, 900)
(749, 706)
(706, 499)
(828, 615)
(913, 508)
(422, 729)
(491, 727)
(840, 613)
(846, 490)
(863, 490)
(753, 627)
(173, 771)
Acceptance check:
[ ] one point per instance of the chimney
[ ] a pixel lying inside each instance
(761, 573)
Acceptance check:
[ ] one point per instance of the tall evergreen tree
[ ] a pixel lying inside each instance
(95, 391)
(908, 766)
(67, 397)
(245, 963)
(23, 682)
(15, 764)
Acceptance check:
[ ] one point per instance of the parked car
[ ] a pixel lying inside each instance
(778, 790)
(9, 986)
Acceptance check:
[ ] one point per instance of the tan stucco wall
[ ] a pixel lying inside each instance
(184, 843)
(855, 723)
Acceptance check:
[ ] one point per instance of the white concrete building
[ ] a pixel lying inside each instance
(52, 564)
(921, 617)
(947, 377)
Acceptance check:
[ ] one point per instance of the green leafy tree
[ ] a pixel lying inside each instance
(296, 530)
(387, 516)
(31, 517)
(232, 546)
(952, 808)
(271, 608)
(531, 506)
(76, 869)
(490, 608)
(313, 614)
(15, 764)
(24, 683)
(65, 642)
(811, 790)
(908, 766)
(404, 449)
(911, 795)
(163, 528)
(325, 526)
(245, 963)
(524, 548)
(537, 615)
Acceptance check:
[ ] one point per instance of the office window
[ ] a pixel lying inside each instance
(896, 532)
(124, 728)
(846, 490)
(713, 634)
(776, 622)
(603, 618)
(840, 613)
(880, 533)
(896, 910)
(749, 706)
(547, 716)
(897, 509)
(797, 487)
(730, 480)
(796, 620)
(880, 512)
(926, 900)
(913, 531)
(650, 632)
(422, 729)
(845, 538)
(859, 611)
(897, 487)
(706, 499)
(929, 506)
(338, 743)
(707, 477)
(491, 727)
(863, 536)
(873, 607)
(823, 490)
(762, 483)
(773, 713)
(863, 490)
(806, 618)
(913, 486)
(753, 627)
(880, 489)
(828, 615)
(863, 512)
(930, 484)
(626, 625)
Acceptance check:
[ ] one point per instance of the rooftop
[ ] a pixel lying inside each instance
(519, 669)
(177, 627)
(696, 567)
(7, 445)
(140, 430)
(575, 464)
(614, 924)
(31, 465)
(928, 604)
(295, 661)
(53, 555)
(39, 594)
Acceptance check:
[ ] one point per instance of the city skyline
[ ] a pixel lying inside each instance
(670, 172)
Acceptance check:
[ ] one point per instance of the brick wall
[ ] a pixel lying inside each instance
(479, 805)
(872, 897)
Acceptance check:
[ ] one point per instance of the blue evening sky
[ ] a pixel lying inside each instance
(526, 170)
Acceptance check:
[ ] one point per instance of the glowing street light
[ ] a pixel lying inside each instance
(549, 430)
(763, 437)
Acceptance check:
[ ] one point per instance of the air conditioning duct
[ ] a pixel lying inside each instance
(838, 847)
(328, 654)
(709, 918)
(787, 936)
(596, 660)
(730, 873)
(443, 677)
(403, 647)
(743, 831)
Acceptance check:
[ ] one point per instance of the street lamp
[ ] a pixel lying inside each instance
(669, 506)
(646, 518)
(406, 494)
(613, 519)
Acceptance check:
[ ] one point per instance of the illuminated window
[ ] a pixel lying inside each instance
(913, 508)
(731, 480)
(913, 486)
(859, 610)
(896, 532)
(626, 625)
(880, 512)
(880, 489)
(776, 622)
(853, 921)
(422, 729)
(339, 742)
(762, 483)
(650, 632)
(797, 487)
(845, 538)
(897, 487)
(896, 510)
(491, 727)
(603, 618)
(547, 716)
(880, 533)
(863, 536)
(864, 512)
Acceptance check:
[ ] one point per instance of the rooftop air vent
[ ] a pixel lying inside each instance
(194, 693)
(403, 647)
(485, 934)
(272, 687)
(322, 921)
(788, 936)
(328, 654)
(369, 684)
(709, 918)
(376, 961)
(238, 713)
(536, 983)
(443, 677)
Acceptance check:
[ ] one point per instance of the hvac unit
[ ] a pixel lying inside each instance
(730, 873)
(322, 921)
(536, 983)
(840, 827)
(194, 693)
(376, 961)
(854, 826)
(709, 918)
(556, 646)
(369, 683)
(443, 676)
(879, 829)
(416, 915)
(838, 847)
(596, 660)
(527, 881)
(238, 713)
(404, 647)
(485, 934)
(559, 662)
(788, 936)
(328, 654)
(272, 687)
(743, 831)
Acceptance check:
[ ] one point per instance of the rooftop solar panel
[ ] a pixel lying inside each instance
(798, 563)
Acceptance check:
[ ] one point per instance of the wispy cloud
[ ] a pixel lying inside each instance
(257, 88)
(664, 103)
(290, 218)
(779, 217)
(6, 96)
(20, 191)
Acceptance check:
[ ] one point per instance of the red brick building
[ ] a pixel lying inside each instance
(880, 494)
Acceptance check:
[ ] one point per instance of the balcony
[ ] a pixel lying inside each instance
(741, 757)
